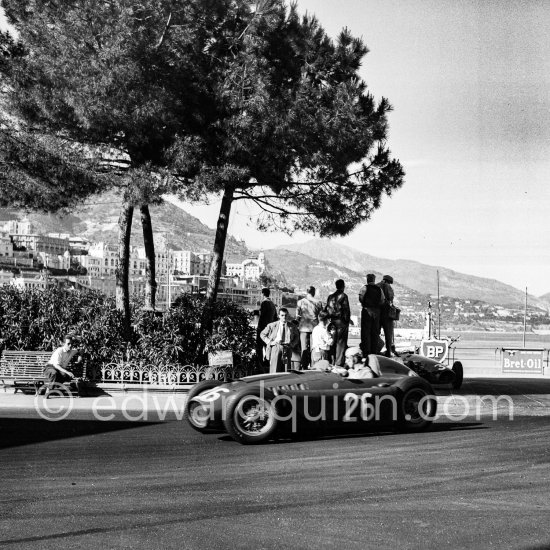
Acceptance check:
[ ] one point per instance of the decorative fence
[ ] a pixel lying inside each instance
(165, 375)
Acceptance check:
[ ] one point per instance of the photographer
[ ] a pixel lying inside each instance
(56, 372)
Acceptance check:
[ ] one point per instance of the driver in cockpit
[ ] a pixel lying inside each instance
(356, 367)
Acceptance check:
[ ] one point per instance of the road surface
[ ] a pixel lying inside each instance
(91, 484)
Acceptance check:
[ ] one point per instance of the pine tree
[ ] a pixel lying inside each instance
(239, 97)
(124, 75)
(296, 130)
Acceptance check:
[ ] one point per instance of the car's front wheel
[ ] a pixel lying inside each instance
(195, 412)
(250, 416)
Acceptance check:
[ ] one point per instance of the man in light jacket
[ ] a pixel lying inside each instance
(280, 338)
(307, 312)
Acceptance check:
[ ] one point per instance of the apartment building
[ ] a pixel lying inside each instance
(6, 245)
(41, 243)
(16, 227)
(249, 269)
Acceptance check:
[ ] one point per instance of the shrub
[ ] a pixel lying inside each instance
(39, 320)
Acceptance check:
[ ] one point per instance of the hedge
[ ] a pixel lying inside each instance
(39, 319)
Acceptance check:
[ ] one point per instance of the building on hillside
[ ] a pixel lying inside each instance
(107, 285)
(107, 253)
(185, 262)
(5, 277)
(6, 245)
(92, 264)
(248, 296)
(163, 260)
(21, 259)
(249, 269)
(17, 227)
(102, 260)
(55, 261)
(32, 281)
(78, 245)
(204, 261)
(41, 243)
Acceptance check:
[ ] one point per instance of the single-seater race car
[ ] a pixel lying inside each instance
(432, 361)
(257, 408)
(433, 370)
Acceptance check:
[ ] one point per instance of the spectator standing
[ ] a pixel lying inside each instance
(339, 311)
(321, 340)
(280, 338)
(385, 321)
(296, 351)
(267, 314)
(307, 311)
(371, 298)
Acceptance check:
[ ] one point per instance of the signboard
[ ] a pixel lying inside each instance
(522, 361)
(435, 349)
(220, 358)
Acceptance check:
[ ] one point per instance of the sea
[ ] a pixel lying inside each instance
(478, 349)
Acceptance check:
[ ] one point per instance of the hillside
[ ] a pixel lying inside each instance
(417, 276)
(545, 298)
(97, 220)
(302, 271)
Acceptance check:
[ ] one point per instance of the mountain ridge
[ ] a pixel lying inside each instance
(97, 220)
(417, 276)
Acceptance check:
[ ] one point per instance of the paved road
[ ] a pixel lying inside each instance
(88, 484)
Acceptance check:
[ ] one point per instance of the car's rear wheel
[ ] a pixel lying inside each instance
(459, 375)
(195, 412)
(416, 405)
(250, 416)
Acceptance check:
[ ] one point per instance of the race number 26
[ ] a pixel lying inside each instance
(353, 401)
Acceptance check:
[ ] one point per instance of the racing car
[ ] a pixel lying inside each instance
(258, 408)
(431, 361)
(433, 370)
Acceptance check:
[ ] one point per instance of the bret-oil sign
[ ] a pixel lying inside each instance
(522, 361)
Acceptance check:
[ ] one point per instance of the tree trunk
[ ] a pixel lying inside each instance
(122, 270)
(150, 275)
(219, 246)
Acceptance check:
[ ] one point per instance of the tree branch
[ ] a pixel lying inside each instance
(164, 31)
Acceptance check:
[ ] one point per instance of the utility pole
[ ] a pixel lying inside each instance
(438, 309)
(525, 318)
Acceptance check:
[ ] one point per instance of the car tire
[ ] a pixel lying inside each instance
(190, 412)
(458, 369)
(416, 405)
(250, 416)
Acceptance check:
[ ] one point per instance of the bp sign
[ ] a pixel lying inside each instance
(435, 349)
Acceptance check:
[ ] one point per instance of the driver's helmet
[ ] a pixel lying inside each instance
(353, 351)
(323, 365)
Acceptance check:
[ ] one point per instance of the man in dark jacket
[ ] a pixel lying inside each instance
(385, 321)
(268, 314)
(340, 314)
(372, 299)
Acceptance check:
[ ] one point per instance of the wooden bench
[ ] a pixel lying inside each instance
(23, 370)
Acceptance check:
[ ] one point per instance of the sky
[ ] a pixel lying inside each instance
(469, 81)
